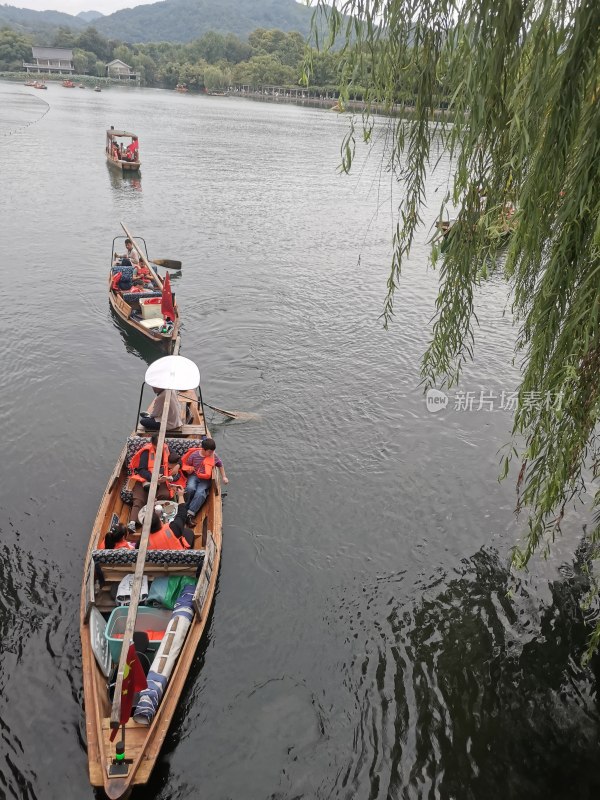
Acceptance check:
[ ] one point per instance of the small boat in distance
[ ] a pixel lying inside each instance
(144, 307)
(30, 83)
(97, 89)
(149, 643)
(181, 87)
(118, 155)
(82, 86)
(68, 84)
(39, 85)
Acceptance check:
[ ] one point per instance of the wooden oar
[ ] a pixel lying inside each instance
(136, 588)
(167, 263)
(242, 416)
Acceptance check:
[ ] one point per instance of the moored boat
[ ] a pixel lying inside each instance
(118, 156)
(151, 309)
(39, 85)
(162, 639)
(97, 89)
(68, 84)
(181, 87)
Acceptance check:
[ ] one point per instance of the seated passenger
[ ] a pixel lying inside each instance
(115, 539)
(151, 420)
(171, 535)
(129, 257)
(198, 463)
(132, 151)
(141, 466)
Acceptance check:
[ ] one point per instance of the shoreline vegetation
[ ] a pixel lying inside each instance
(270, 65)
(264, 94)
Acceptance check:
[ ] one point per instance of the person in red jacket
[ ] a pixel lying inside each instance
(198, 463)
(133, 150)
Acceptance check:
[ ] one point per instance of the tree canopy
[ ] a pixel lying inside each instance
(512, 91)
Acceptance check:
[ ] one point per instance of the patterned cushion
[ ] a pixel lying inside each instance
(126, 271)
(133, 297)
(193, 558)
(176, 446)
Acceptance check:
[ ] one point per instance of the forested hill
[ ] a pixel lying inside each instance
(185, 20)
(24, 19)
(170, 20)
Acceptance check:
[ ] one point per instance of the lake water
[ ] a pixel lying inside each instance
(367, 640)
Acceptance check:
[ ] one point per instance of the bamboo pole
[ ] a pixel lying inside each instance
(138, 250)
(115, 715)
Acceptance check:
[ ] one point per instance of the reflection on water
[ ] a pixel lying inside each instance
(366, 640)
(473, 677)
(125, 181)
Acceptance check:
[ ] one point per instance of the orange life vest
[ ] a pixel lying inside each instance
(124, 545)
(135, 463)
(165, 539)
(205, 470)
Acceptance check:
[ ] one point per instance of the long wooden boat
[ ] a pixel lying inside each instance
(142, 742)
(118, 138)
(130, 306)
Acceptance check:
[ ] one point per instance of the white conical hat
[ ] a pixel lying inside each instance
(173, 372)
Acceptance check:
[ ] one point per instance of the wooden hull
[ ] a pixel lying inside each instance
(143, 744)
(123, 311)
(123, 166)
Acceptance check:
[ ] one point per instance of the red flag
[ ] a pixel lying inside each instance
(134, 681)
(166, 305)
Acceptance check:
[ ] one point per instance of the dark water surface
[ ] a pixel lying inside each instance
(367, 640)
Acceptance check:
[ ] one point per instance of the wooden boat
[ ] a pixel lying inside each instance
(39, 85)
(68, 84)
(499, 232)
(81, 86)
(116, 139)
(181, 87)
(103, 572)
(97, 89)
(30, 83)
(143, 317)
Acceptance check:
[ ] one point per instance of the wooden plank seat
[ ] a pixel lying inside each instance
(115, 564)
(183, 430)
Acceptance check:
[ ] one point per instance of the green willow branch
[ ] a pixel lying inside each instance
(511, 90)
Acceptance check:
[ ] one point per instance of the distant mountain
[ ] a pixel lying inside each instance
(25, 19)
(184, 20)
(89, 16)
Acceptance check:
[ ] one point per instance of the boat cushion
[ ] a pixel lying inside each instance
(176, 446)
(123, 557)
(132, 297)
(126, 271)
